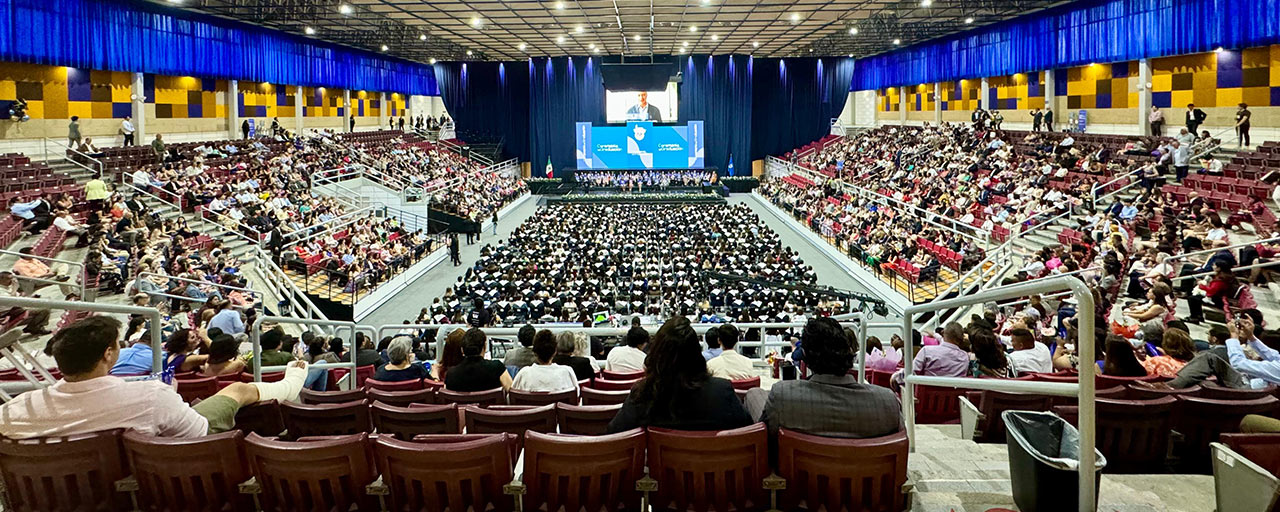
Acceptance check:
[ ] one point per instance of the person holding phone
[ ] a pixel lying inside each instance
(1259, 373)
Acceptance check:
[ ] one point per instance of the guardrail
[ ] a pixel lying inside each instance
(229, 288)
(1224, 248)
(1083, 390)
(76, 264)
(94, 165)
(255, 337)
(284, 288)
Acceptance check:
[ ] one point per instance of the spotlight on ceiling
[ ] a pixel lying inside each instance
(897, 41)
(636, 37)
(755, 44)
(968, 20)
(579, 29)
(432, 61)
(853, 31)
(309, 31)
(685, 44)
(422, 37)
(693, 28)
(346, 9)
(560, 40)
(715, 37)
(468, 53)
(795, 17)
(475, 22)
(592, 46)
(384, 47)
(560, 6)
(926, 3)
(522, 46)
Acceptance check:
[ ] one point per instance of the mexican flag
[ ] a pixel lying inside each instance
(550, 171)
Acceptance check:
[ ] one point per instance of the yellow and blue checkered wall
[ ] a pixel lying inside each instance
(1019, 91)
(57, 92)
(960, 95)
(921, 98)
(888, 101)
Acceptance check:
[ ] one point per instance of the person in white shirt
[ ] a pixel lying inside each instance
(67, 223)
(545, 376)
(126, 129)
(631, 357)
(730, 364)
(1028, 356)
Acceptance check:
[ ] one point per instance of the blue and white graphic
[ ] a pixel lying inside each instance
(639, 145)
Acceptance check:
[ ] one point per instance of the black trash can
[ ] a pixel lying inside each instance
(1044, 457)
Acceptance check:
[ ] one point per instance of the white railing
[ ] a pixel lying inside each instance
(229, 288)
(284, 288)
(447, 131)
(1084, 390)
(79, 266)
(255, 337)
(95, 166)
(838, 128)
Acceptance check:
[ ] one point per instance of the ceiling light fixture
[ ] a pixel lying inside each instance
(853, 31)
(693, 28)
(968, 20)
(685, 44)
(897, 41)
(468, 53)
(850, 55)
(636, 37)
(310, 31)
(560, 40)
(522, 46)
(795, 17)
(579, 29)
(432, 61)
(475, 22)
(422, 37)
(384, 47)
(715, 37)
(560, 6)
(346, 9)
(755, 44)
(592, 46)
(926, 3)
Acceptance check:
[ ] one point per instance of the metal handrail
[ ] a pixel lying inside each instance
(157, 360)
(96, 162)
(1233, 269)
(1093, 190)
(77, 264)
(1226, 248)
(1084, 389)
(333, 224)
(253, 240)
(202, 283)
(273, 276)
(255, 337)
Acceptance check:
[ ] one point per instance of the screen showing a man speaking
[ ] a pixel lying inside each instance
(653, 106)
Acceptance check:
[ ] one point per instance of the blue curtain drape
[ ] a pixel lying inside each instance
(490, 99)
(717, 90)
(113, 35)
(794, 100)
(562, 91)
(1076, 34)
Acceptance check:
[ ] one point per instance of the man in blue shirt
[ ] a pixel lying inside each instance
(227, 319)
(1129, 211)
(1259, 373)
(713, 344)
(137, 359)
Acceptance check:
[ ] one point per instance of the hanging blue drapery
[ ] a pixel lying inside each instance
(717, 91)
(112, 35)
(562, 91)
(489, 100)
(1077, 34)
(794, 101)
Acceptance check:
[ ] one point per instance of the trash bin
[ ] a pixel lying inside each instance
(1044, 457)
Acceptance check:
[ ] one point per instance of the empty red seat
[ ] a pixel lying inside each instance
(71, 473)
(326, 419)
(447, 473)
(1202, 420)
(587, 420)
(481, 398)
(751, 383)
(990, 404)
(565, 472)
(406, 422)
(402, 398)
(201, 473)
(310, 397)
(262, 418)
(1132, 434)
(937, 404)
(614, 385)
(325, 474)
(599, 397)
(843, 474)
(704, 471)
(197, 388)
(517, 397)
(1216, 391)
(611, 375)
(510, 419)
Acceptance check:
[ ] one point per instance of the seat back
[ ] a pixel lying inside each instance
(1132, 434)
(200, 473)
(1219, 392)
(879, 378)
(586, 420)
(1136, 392)
(1202, 420)
(753, 382)
(310, 397)
(403, 385)
(402, 398)
(992, 403)
(614, 385)
(481, 398)
(517, 397)
(406, 422)
(197, 387)
(937, 405)
(513, 420)
(592, 396)
(703, 471)
(566, 472)
(71, 473)
(840, 474)
(363, 373)
(262, 418)
(611, 375)
(1107, 381)
(1261, 449)
(468, 474)
(326, 419)
(325, 474)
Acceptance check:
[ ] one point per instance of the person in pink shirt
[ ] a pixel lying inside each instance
(882, 359)
(946, 359)
(90, 400)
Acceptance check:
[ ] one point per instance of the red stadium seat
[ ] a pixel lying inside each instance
(404, 385)
(197, 388)
(1132, 434)
(326, 419)
(467, 474)
(614, 385)
(586, 420)
(597, 397)
(834, 474)
(309, 397)
(406, 422)
(403, 398)
(325, 474)
(482, 398)
(704, 471)
(71, 473)
(199, 473)
(517, 397)
(564, 472)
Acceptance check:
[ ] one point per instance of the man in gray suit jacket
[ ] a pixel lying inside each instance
(831, 403)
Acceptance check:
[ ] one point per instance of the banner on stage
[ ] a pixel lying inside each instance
(639, 145)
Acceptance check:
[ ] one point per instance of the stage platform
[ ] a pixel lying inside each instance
(617, 195)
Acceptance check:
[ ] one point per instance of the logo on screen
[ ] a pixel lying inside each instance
(638, 132)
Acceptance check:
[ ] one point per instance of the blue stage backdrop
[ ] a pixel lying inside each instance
(1077, 34)
(563, 91)
(114, 35)
(794, 101)
(639, 145)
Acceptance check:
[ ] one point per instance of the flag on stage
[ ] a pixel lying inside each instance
(730, 173)
(550, 171)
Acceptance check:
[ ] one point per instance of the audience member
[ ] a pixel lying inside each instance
(730, 364)
(475, 373)
(546, 376)
(401, 366)
(629, 357)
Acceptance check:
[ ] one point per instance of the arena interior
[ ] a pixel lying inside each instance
(603, 255)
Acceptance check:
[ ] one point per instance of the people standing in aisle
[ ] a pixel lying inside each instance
(1242, 125)
(1156, 118)
(455, 252)
(73, 132)
(1194, 117)
(401, 123)
(494, 221)
(244, 129)
(1048, 119)
(1037, 117)
(126, 129)
(997, 119)
(352, 125)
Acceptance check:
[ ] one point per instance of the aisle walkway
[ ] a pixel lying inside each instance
(409, 301)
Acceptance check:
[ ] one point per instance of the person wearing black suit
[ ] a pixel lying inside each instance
(275, 242)
(244, 129)
(454, 250)
(1195, 117)
(1048, 119)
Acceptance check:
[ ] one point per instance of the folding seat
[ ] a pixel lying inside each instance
(326, 419)
(309, 397)
(1109, 381)
(1216, 391)
(481, 398)
(71, 473)
(703, 471)
(835, 474)
(1201, 420)
(937, 404)
(610, 375)
(517, 397)
(197, 388)
(1137, 392)
(751, 383)
(980, 412)
(201, 473)
(510, 419)
(437, 473)
(404, 385)
(415, 420)
(324, 474)
(1132, 434)
(592, 396)
(1226, 185)
(403, 398)
(614, 385)
(565, 472)
(587, 420)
